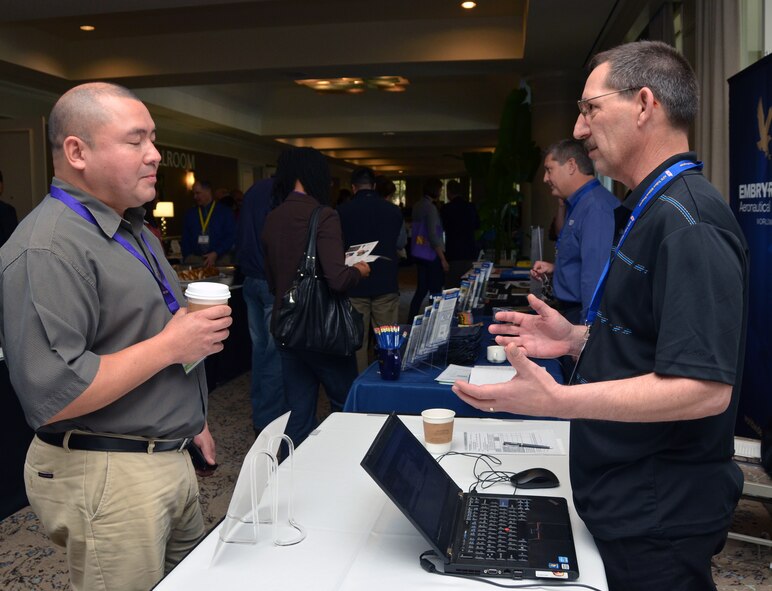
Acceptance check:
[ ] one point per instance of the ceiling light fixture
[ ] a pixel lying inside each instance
(468, 5)
(87, 28)
(356, 85)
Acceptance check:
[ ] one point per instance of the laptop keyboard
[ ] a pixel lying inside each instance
(496, 529)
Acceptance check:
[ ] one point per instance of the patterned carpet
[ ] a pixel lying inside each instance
(28, 562)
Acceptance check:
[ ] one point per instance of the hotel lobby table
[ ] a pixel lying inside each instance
(356, 538)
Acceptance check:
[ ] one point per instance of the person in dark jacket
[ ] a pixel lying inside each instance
(302, 183)
(460, 221)
(8, 219)
(267, 389)
(366, 218)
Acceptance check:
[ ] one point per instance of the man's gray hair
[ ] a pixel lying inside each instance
(659, 67)
(564, 150)
(79, 111)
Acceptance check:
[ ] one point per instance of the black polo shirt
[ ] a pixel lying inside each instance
(366, 218)
(674, 304)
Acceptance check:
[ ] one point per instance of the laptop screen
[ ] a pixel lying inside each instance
(415, 482)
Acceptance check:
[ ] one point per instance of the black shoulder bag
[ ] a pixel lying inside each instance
(312, 317)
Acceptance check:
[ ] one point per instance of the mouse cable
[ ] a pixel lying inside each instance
(483, 478)
(429, 567)
(485, 458)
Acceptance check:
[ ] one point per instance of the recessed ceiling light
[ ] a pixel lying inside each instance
(356, 85)
(87, 28)
(468, 5)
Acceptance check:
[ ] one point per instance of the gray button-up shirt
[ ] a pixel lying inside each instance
(69, 293)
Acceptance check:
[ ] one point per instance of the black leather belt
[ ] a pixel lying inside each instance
(89, 442)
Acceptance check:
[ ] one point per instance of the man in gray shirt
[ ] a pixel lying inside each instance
(95, 339)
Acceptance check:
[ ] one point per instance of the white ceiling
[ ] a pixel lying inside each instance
(229, 67)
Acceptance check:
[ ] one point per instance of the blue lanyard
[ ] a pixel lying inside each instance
(577, 197)
(163, 283)
(658, 185)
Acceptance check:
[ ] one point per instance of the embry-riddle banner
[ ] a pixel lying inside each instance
(750, 192)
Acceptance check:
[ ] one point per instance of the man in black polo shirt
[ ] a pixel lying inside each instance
(654, 395)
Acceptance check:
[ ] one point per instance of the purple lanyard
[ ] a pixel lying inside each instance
(163, 283)
(655, 188)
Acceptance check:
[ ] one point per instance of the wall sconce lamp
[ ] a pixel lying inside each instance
(190, 179)
(163, 210)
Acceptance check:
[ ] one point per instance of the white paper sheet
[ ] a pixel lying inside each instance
(361, 253)
(494, 443)
(453, 373)
(482, 375)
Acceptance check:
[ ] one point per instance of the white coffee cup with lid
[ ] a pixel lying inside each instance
(203, 294)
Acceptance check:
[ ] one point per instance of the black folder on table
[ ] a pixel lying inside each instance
(512, 536)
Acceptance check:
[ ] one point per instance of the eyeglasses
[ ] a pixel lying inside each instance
(586, 107)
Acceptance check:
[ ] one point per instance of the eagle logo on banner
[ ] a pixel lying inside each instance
(764, 123)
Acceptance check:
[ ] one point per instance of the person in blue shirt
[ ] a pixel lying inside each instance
(209, 230)
(585, 240)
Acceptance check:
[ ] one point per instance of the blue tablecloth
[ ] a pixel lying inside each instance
(416, 391)
(517, 274)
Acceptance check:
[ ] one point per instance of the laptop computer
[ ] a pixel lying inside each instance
(474, 534)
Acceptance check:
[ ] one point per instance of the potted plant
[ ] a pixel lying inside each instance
(513, 162)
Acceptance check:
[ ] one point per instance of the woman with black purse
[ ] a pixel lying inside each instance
(302, 186)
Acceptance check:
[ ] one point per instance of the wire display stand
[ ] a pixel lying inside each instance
(251, 510)
(300, 532)
(427, 345)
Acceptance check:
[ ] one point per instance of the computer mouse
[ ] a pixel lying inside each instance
(535, 478)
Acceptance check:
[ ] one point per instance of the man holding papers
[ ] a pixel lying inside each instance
(654, 394)
(368, 217)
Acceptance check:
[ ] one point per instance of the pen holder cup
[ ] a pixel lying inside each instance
(389, 362)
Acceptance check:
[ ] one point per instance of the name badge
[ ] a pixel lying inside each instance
(203, 240)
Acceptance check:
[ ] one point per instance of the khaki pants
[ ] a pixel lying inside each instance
(125, 518)
(375, 311)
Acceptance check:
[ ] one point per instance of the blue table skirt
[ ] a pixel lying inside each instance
(416, 391)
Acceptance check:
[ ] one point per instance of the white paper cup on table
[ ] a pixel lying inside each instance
(438, 429)
(204, 294)
(497, 354)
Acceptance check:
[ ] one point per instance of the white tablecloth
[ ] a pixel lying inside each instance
(357, 539)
